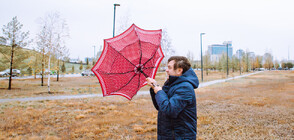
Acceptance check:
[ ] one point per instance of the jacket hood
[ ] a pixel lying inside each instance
(189, 76)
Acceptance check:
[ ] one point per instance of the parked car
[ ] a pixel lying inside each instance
(46, 72)
(15, 72)
(260, 69)
(3, 73)
(87, 73)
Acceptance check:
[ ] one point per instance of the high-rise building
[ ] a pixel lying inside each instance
(239, 53)
(216, 50)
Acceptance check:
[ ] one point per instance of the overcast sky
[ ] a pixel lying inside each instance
(255, 25)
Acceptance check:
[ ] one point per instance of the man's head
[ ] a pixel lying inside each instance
(177, 65)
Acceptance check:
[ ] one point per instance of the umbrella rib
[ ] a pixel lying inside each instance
(126, 83)
(151, 57)
(149, 67)
(145, 69)
(139, 82)
(108, 73)
(122, 55)
(140, 47)
(140, 51)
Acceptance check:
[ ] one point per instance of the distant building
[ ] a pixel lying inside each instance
(239, 53)
(251, 55)
(90, 59)
(3, 41)
(216, 50)
(73, 60)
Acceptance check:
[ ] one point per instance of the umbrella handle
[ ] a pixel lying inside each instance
(154, 85)
(147, 77)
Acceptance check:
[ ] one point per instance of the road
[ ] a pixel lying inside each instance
(60, 97)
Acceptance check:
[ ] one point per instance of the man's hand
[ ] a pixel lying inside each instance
(156, 89)
(153, 84)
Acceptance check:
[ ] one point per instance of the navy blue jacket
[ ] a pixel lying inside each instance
(176, 105)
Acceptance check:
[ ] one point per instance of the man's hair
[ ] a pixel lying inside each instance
(180, 62)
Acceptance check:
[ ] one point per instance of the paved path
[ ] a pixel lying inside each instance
(39, 76)
(59, 97)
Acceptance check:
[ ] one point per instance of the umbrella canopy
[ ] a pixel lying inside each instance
(126, 61)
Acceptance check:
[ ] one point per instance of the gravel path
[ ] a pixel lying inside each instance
(60, 97)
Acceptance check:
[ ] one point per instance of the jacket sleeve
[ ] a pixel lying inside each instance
(173, 106)
(152, 93)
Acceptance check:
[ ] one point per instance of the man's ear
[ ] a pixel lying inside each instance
(179, 71)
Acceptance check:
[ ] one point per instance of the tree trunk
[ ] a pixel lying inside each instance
(35, 73)
(49, 73)
(11, 62)
(43, 65)
(240, 67)
(57, 70)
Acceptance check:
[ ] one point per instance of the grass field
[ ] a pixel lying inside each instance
(260, 106)
(75, 85)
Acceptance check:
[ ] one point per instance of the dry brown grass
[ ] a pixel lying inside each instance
(94, 118)
(65, 86)
(73, 85)
(256, 107)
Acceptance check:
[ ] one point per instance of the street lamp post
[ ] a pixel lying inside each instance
(201, 56)
(114, 18)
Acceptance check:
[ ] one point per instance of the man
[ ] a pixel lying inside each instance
(176, 101)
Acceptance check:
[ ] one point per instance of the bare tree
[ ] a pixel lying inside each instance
(16, 40)
(61, 53)
(99, 53)
(219, 65)
(277, 64)
(257, 62)
(268, 60)
(41, 46)
(207, 62)
(190, 56)
(166, 46)
(240, 63)
(51, 38)
(245, 63)
(234, 63)
(223, 62)
(34, 62)
(124, 23)
(81, 65)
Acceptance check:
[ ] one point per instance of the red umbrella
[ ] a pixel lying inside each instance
(126, 61)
